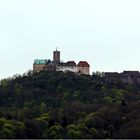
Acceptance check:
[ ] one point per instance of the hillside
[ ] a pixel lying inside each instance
(65, 105)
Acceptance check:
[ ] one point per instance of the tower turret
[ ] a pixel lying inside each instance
(56, 57)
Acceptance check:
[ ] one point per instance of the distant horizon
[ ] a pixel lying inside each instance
(104, 33)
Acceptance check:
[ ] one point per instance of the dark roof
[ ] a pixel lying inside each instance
(71, 63)
(62, 64)
(125, 74)
(111, 74)
(83, 64)
(131, 72)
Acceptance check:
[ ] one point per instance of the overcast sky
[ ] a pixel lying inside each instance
(106, 33)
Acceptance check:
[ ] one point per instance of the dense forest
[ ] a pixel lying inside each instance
(66, 105)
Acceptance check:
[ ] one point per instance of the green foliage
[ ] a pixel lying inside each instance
(71, 127)
(11, 129)
(57, 105)
(55, 132)
(94, 133)
(4, 84)
(72, 134)
(130, 130)
(43, 108)
(107, 100)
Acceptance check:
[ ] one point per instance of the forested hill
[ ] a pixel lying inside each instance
(65, 105)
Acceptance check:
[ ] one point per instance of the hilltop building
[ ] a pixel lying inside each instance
(83, 67)
(56, 65)
(40, 64)
(68, 66)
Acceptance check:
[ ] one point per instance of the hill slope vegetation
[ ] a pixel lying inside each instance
(65, 105)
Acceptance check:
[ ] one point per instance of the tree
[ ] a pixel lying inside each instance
(94, 133)
(55, 132)
(72, 134)
(12, 129)
(129, 131)
(43, 108)
(94, 120)
(84, 130)
(107, 100)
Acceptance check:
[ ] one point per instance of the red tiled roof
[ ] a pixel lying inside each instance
(83, 64)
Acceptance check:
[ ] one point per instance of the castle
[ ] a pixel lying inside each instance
(56, 65)
(129, 77)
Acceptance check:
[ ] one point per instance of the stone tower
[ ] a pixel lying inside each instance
(56, 57)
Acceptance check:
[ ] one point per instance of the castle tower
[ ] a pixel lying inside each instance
(56, 57)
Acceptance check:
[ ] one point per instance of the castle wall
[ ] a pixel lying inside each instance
(84, 70)
(129, 77)
(67, 68)
(38, 67)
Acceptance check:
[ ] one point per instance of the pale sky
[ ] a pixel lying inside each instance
(106, 33)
